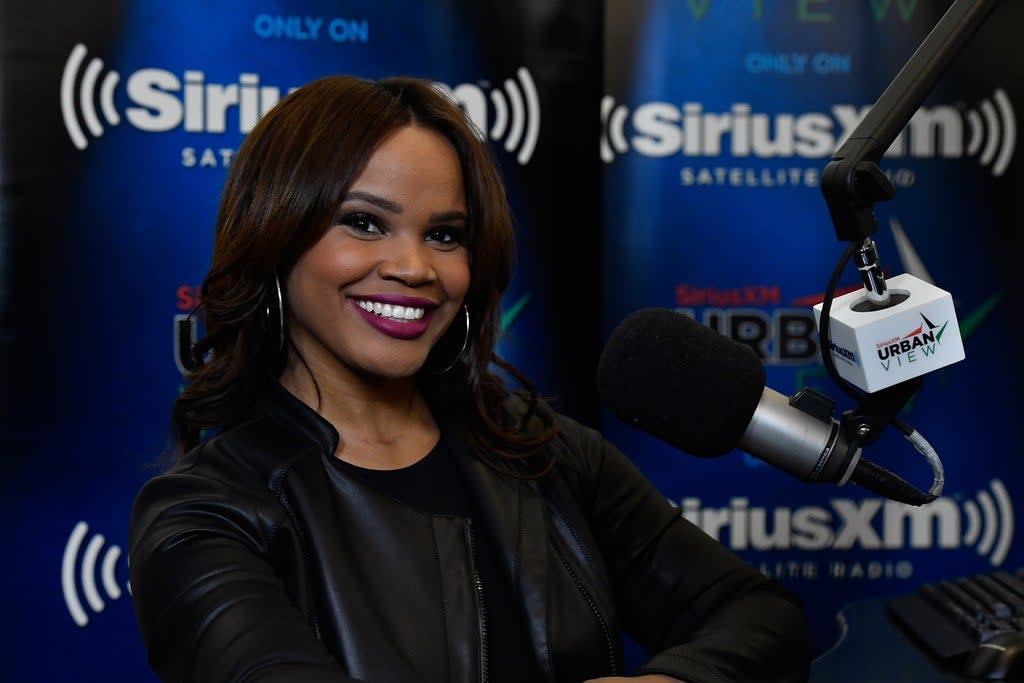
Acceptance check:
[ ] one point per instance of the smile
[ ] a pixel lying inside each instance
(409, 319)
(397, 313)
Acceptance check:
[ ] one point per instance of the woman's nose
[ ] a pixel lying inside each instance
(408, 260)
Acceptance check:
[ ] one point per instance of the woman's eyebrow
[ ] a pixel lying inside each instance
(379, 202)
(394, 207)
(447, 216)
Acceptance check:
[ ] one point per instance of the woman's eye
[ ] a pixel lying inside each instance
(447, 236)
(361, 223)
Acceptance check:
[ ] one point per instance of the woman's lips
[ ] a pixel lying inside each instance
(396, 316)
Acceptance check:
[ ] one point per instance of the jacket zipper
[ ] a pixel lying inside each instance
(314, 621)
(593, 608)
(481, 604)
(579, 584)
(575, 537)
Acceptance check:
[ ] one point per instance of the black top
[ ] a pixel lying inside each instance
(433, 485)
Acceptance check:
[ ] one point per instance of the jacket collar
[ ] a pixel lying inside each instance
(284, 406)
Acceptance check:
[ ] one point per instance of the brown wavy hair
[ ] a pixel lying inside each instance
(289, 176)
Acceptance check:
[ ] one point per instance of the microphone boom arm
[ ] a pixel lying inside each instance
(852, 181)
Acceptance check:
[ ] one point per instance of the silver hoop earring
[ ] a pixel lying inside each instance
(465, 343)
(280, 315)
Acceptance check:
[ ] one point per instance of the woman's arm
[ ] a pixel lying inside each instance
(704, 613)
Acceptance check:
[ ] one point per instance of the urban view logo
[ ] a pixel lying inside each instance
(660, 129)
(920, 338)
(870, 524)
(891, 352)
(85, 572)
(161, 102)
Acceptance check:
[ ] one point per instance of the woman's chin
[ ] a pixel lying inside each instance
(394, 371)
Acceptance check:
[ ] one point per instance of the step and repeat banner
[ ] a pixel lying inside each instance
(120, 120)
(661, 153)
(718, 119)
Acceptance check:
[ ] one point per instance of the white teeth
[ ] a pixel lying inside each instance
(401, 313)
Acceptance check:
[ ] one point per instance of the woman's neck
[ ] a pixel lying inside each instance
(383, 423)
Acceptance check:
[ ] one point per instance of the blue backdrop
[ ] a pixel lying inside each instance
(717, 124)
(120, 122)
(657, 153)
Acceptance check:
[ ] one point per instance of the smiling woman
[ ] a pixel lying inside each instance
(356, 495)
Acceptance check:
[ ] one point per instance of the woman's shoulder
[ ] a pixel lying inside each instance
(574, 444)
(258, 449)
(221, 494)
(240, 467)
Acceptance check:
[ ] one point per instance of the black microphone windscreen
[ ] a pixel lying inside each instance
(680, 381)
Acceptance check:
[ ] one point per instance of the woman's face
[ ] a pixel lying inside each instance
(387, 278)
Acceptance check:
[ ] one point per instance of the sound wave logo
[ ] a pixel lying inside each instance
(996, 128)
(509, 114)
(613, 126)
(989, 523)
(661, 129)
(516, 115)
(87, 566)
(87, 96)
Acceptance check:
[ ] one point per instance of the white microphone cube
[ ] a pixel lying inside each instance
(877, 348)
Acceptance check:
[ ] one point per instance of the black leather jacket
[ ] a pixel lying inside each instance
(253, 559)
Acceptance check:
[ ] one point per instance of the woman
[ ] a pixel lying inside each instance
(369, 502)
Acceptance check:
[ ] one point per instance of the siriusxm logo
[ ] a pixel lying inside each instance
(844, 353)
(161, 101)
(869, 524)
(81, 569)
(660, 129)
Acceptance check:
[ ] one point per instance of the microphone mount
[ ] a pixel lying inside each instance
(852, 182)
(875, 411)
(871, 274)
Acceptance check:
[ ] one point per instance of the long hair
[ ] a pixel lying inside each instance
(285, 183)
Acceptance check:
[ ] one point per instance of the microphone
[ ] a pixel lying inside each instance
(704, 393)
